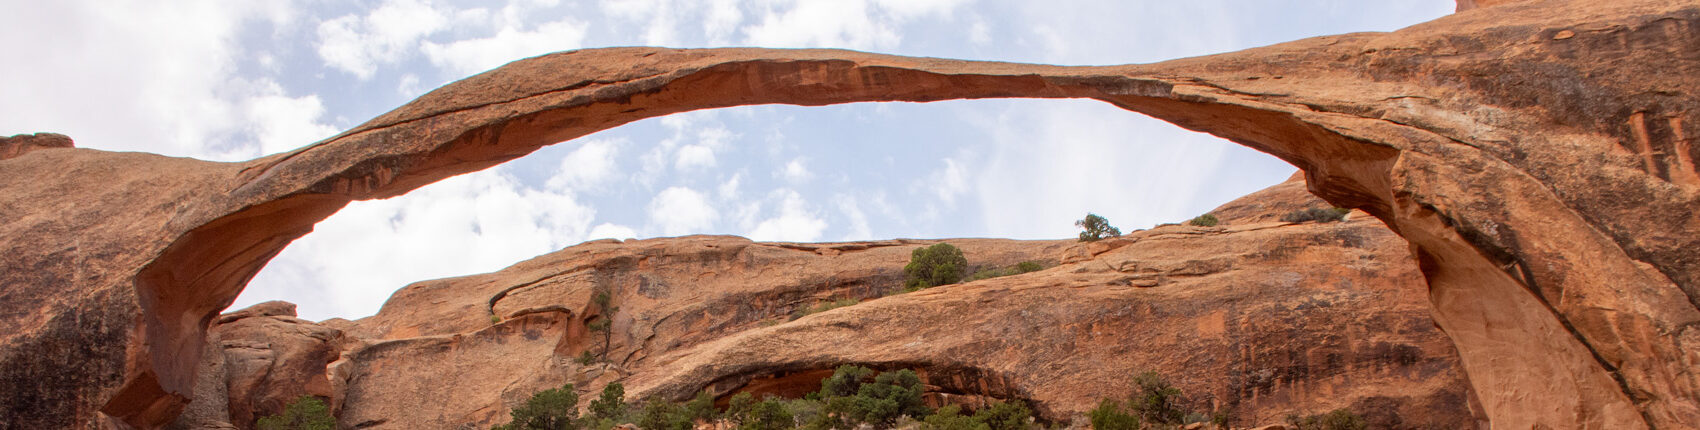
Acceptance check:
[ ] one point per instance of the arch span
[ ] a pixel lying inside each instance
(1539, 168)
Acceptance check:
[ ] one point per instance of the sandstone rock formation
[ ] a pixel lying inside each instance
(1537, 156)
(1268, 318)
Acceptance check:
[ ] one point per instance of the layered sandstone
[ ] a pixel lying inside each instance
(1266, 318)
(1537, 156)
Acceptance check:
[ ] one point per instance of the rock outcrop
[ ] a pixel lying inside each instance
(1537, 156)
(1266, 318)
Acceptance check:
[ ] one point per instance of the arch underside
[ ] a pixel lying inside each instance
(1569, 309)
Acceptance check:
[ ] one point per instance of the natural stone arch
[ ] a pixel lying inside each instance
(1500, 142)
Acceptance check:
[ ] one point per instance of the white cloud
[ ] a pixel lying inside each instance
(409, 86)
(721, 21)
(694, 157)
(469, 224)
(359, 44)
(909, 9)
(795, 222)
(281, 123)
(822, 23)
(465, 57)
(859, 229)
(1081, 156)
(710, 139)
(948, 183)
(591, 165)
(611, 231)
(795, 171)
(729, 190)
(680, 211)
(135, 76)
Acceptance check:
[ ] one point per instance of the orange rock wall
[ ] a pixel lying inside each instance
(1537, 155)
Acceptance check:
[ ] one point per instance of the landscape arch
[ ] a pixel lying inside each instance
(1500, 143)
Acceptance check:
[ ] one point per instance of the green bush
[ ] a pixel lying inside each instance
(936, 265)
(611, 405)
(950, 417)
(552, 409)
(1109, 416)
(768, 414)
(1206, 220)
(587, 358)
(661, 415)
(1316, 214)
(1096, 228)
(852, 400)
(305, 413)
(1338, 419)
(845, 381)
(1155, 401)
(1011, 415)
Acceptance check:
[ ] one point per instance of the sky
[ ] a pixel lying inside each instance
(231, 80)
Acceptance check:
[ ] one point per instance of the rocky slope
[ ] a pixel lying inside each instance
(1536, 155)
(1268, 318)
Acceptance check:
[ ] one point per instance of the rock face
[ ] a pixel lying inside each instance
(1537, 156)
(258, 360)
(1267, 318)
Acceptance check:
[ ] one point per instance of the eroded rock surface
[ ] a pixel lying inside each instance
(1267, 318)
(1538, 156)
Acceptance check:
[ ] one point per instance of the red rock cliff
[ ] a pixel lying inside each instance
(1537, 156)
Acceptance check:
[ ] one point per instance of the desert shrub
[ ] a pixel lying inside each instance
(495, 319)
(612, 404)
(845, 381)
(1338, 419)
(1206, 220)
(552, 409)
(1155, 401)
(950, 417)
(662, 415)
(1316, 214)
(1096, 227)
(701, 408)
(1109, 416)
(586, 358)
(767, 414)
(1011, 415)
(305, 413)
(940, 264)
(851, 399)
(1222, 418)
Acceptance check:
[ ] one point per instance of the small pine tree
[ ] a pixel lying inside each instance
(701, 408)
(662, 415)
(552, 409)
(950, 417)
(1155, 401)
(1097, 228)
(1011, 415)
(1109, 416)
(612, 404)
(305, 413)
(845, 381)
(768, 414)
(604, 325)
